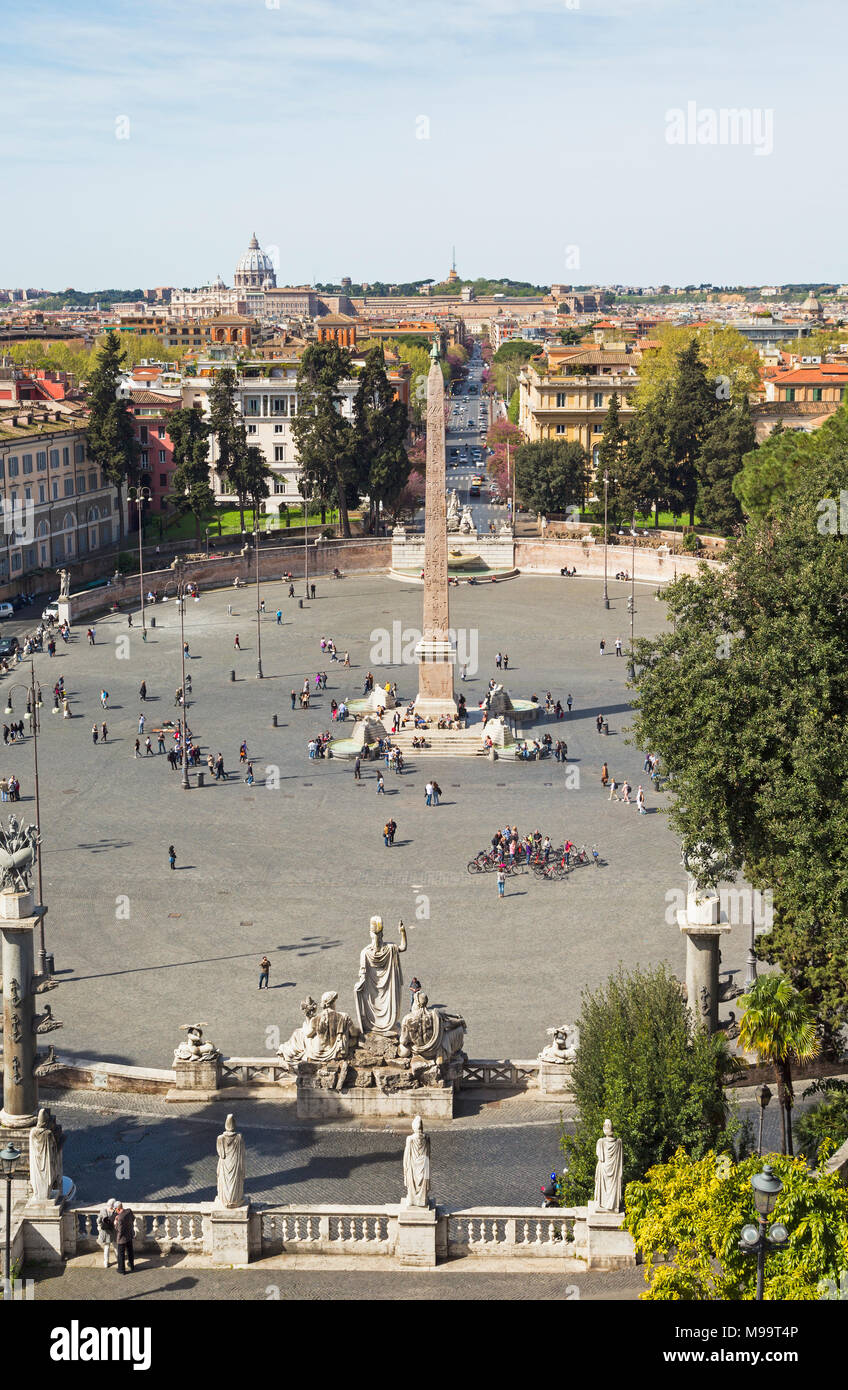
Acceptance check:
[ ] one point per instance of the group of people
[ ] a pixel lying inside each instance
(329, 648)
(319, 745)
(13, 733)
(622, 791)
(555, 707)
(10, 789)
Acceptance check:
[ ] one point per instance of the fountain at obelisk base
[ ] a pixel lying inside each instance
(436, 651)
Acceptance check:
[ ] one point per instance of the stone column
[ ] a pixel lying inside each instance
(700, 922)
(18, 920)
(436, 654)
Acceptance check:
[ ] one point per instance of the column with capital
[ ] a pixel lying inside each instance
(18, 921)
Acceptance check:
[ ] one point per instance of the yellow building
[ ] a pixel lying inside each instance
(568, 398)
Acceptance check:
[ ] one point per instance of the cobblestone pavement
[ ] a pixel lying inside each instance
(296, 872)
(176, 1278)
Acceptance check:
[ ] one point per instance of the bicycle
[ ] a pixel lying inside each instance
(479, 864)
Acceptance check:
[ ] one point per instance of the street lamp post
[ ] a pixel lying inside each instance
(258, 621)
(33, 705)
(751, 967)
(207, 542)
(606, 500)
(306, 499)
(140, 496)
(8, 1158)
(180, 569)
(755, 1240)
(763, 1095)
(632, 584)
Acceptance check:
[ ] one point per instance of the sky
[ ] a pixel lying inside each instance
(567, 141)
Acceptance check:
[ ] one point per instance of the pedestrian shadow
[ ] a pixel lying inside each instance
(180, 867)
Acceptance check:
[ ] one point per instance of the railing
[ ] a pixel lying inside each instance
(166, 1226)
(323, 1230)
(499, 1072)
(243, 1071)
(517, 1231)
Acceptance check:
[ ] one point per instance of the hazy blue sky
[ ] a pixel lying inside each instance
(547, 131)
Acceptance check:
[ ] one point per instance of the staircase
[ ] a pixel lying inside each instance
(444, 743)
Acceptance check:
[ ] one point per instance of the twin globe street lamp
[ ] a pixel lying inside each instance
(8, 1160)
(755, 1240)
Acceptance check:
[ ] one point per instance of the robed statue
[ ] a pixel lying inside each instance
(608, 1171)
(378, 990)
(295, 1049)
(327, 1032)
(430, 1033)
(230, 1146)
(416, 1166)
(45, 1168)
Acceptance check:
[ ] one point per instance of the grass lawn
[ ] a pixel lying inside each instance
(183, 528)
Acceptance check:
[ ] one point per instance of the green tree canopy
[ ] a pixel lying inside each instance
(770, 473)
(730, 438)
(779, 1027)
(640, 1065)
(326, 441)
(380, 422)
(189, 434)
(551, 475)
(111, 440)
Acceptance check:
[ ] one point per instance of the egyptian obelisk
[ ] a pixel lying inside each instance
(436, 653)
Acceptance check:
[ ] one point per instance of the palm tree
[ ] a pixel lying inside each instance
(779, 1027)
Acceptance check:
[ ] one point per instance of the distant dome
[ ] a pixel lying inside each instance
(812, 305)
(219, 284)
(255, 270)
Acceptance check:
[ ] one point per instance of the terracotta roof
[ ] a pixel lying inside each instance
(832, 374)
(143, 397)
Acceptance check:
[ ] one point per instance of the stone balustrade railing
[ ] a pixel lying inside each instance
(517, 1231)
(247, 1071)
(169, 1226)
(329, 1230)
(492, 1071)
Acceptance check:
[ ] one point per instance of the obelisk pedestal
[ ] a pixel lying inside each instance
(436, 651)
(701, 924)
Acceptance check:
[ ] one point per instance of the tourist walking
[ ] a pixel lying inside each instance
(603, 646)
(618, 650)
(142, 691)
(357, 769)
(103, 732)
(161, 740)
(264, 972)
(138, 748)
(640, 801)
(604, 775)
(599, 722)
(141, 723)
(104, 698)
(148, 747)
(124, 1232)
(392, 829)
(437, 791)
(498, 660)
(380, 784)
(506, 661)
(90, 635)
(386, 834)
(625, 793)
(279, 616)
(94, 734)
(237, 643)
(172, 856)
(294, 698)
(569, 701)
(414, 989)
(501, 883)
(428, 794)
(613, 796)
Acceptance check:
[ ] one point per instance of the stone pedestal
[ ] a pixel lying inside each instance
(230, 1235)
(701, 924)
(416, 1236)
(430, 1102)
(196, 1080)
(19, 918)
(555, 1078)
(608, 1245)
(43, 1230)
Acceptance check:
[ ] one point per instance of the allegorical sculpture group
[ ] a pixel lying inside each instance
(376, 1046)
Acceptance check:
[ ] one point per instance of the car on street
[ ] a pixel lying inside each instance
(51, 610)
(8, 646)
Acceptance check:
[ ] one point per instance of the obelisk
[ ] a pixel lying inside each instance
(436, 652)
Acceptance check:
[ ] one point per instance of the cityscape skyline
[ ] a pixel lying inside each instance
(661, 141)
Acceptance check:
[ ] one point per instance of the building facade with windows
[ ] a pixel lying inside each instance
(55, 505)
(571, 400)
(150, 410)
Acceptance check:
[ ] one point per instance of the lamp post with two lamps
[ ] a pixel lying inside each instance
(34, 703)
(256, 534)
(755, 1240)
(179, 569)
(763, 1095)
(141, 497)
(606, 502)
(9, 1156)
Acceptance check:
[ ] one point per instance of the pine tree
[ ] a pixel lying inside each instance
(731, 436)
(189, 434)
(611, 453)
(647, 467)
(326, 441)
(381, 424)
(111, 441)
(693, 407)
(230, 436)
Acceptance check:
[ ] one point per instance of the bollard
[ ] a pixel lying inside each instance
(200, 778)
(273, 721)
(606, 726)
(232, 675)
(300, 603)
(50, 964)
(153, 620)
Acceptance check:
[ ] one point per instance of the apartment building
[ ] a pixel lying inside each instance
(568, 398)
(56, 505)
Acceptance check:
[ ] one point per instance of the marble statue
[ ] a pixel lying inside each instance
(230, 1147)
(563, 1048)
(377, 992)
(608, 1171)
(193, 1048)
(64, 583)
(416, 1166)
(18, 844)
(430, 1033)
(45, 1169)
(466, 523)
(327, 1032)
(504, 529)
(707, 866)
(295, 1049)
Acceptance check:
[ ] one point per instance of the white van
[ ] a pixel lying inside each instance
(6, 610)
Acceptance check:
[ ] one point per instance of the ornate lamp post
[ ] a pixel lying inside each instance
(755, 1240)
(34, 703)
(141, 497)
(606, 501)
(179, 566)
(256, 534)
(751, 965)
(763, 1095)
(8, 1158)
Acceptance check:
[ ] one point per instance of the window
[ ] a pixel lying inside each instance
(560, 429)
(292, 405)
(817, 393)
(144, 459)
(280, 405)
(68, 522)
(105, 506)
(163, 480)
(55, 488)
(42, 529)
(251, 405)
(596, 456)
(278, 429)
(597, 429)
(279, 453)
(58, 548)
(80, 484)
(27, 462)
(79, 453)
(13, 468)
(16, 560)
(251, 429)
(142, 433)
(279, 485)
(790, 393)
(43, 549)
(598, 400)
(561, 399)
(42, 493)
(69, 487)
(2, 468)
(92, 482)
(54, 458)
(28, 494)
(66, 457)
(161, 432)
(161, 455)
(41, 461)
